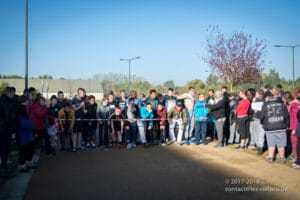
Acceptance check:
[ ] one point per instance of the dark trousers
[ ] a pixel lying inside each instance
(26, 153)
(131, 133)
(149, 133)
(243, 124)
(43, 139)
(103, 134)
(5, 141)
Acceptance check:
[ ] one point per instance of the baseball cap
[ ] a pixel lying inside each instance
(179, 103)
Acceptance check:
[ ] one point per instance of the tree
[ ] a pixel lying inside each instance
(235, 58)
(3, 86)
(211, 81)
(169, 84)
(272, 78)
(196, 83)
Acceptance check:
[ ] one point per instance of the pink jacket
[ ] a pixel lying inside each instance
(293, 110)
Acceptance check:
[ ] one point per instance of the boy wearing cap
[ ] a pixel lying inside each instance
(177, 117)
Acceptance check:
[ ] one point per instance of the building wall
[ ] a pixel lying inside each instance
(69, 87)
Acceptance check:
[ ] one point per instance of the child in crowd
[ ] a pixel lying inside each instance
(103, 116)
(161, 113)
(117, 126)
(200, 113)
(66, 118)
(177, 117)
(91, 115)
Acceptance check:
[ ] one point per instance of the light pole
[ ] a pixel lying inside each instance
(129, 74)
(26, 44)
(293, 52)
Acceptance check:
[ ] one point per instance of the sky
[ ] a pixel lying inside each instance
(81, 38)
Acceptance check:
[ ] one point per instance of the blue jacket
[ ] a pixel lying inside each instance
(200, 111)
(24, 131)
(146, 115)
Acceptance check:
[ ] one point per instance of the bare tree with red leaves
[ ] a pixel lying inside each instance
(235, 58)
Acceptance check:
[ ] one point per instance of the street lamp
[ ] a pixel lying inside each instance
(293, 52)
(26, 44)
(129, 65)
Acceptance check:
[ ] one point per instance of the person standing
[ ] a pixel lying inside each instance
(66, 119)
(177, 118)
(257, 132)
(296, 165)
(275, 119)
(24, 137)
(38, 115)
(217, 110)
(8, 117)
(91, 117)
(103, 117)
(293, 107)
(78, 103)
(242, 120)
(200, 112)
(131, 128)
(117, 127)
(189, 99)
(161, 113)
(147, 116)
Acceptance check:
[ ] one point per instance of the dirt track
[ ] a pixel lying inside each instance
(172, 172)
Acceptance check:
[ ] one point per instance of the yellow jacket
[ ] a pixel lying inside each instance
(62, 116)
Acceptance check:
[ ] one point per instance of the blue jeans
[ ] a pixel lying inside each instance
(200, 126)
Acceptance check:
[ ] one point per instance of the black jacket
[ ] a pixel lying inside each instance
(8, 112)
(218, 110)
(274, 116)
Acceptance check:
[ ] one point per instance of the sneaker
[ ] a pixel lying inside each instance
(23, 168)
(178, 144)
(31, 165)
(218, 146)
(119, 146)
(163, 144)
(295, 166)
(292, 159)
(93, 145)
(74, 150)
(240, 147)
(270, 160)
(6, 173)
(106, 148)
(129, 146)
(251, 146)
(186, 142)
(282, 160)
(146, 145)
(88, 145)
(196, 142)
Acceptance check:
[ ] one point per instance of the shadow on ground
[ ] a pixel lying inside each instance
(154, 173)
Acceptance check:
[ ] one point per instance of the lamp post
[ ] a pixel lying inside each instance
(26, 44)
(293, 52)
(129, 67)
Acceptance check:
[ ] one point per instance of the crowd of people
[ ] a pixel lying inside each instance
(261, 120)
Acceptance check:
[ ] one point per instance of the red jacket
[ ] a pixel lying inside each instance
(162, 115)
(242, 108)
(37, 116)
